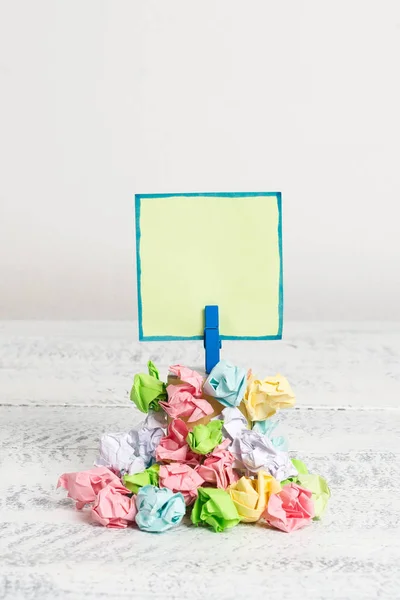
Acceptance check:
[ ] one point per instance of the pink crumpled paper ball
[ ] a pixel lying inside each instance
(217, 468)
(115, 509)
(83, 486)
(181, 478)
(182, 402)
(174, 447)
(291, 509)
(193, 378)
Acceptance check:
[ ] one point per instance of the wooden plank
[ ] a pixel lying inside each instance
(91, 363)
(50, 558)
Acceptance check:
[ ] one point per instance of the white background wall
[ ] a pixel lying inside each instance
(102, 99)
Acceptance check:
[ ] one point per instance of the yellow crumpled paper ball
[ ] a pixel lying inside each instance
(263, 398)
(250, 496)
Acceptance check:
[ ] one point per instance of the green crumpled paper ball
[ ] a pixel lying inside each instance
(215, 508)
(137, 480)
(203, 438)
(148, 390)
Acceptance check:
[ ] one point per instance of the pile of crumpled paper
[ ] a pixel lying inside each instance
(221, 465)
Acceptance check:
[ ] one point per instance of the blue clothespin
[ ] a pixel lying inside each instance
(212, 341)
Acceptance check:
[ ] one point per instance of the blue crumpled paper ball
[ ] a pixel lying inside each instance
(267, 428)
(159, 509)
(226, 383)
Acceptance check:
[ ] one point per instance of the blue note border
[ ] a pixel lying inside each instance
(170, 338)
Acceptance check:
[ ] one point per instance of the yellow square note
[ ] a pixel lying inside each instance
(198, 249)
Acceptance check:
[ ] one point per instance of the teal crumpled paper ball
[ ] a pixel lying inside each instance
(267, 428)
(159, 509)
(226, 383)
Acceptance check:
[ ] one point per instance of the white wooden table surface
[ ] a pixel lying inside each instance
(63, 384)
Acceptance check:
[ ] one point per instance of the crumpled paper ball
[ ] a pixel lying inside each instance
(84, 486)
(137, 480)
(267, 428)
(183, 403)
(146, 439)
(263, 398)
(148, 390)
(181, 478)
(204, 438)
(113, 508)
(226, 383)
(234, 422)
(134, 451)
(291, 509)
(254, 452)
(217, 467)
(117, 452)
(189, 376)
(159, 509)
(214, 508)
(315, 483)
(250, 496)
(174, 447)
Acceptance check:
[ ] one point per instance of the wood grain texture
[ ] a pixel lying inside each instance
(340, 365)
(63, 384)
